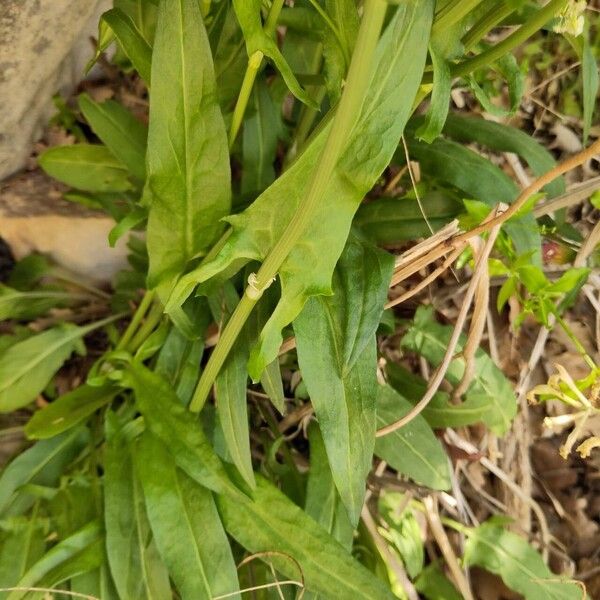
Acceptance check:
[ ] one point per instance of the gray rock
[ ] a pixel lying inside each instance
(44, 46)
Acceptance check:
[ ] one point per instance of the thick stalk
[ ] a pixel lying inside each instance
(343, 122)
(254, 63)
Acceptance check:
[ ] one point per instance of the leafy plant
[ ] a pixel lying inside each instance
(164, 467)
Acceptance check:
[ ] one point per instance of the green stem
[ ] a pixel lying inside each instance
(492, 54)
(96, 325)
(254, 63)
(139, 314)
(488, 21)
(588, 359)
(334, 29)
(217, 358)
(152, 320)
(452, 13)
(343, 122)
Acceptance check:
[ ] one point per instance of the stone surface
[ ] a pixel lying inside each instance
(44, 46)
(35, 218)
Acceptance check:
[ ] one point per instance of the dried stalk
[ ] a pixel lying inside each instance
(439, 533)
(440, 373)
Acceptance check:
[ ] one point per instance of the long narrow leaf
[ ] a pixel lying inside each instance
(188, 188)
(308, 268)
(186, 525)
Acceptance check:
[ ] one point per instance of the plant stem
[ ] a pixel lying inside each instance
(152, 320)
(492, 54)
(488, 21)
(254, 63)
(576, 342)
(452, 13)
(345, 117)
(139, 314)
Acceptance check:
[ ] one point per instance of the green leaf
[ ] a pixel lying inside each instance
(23, 305)
(186, 525)
(503, 138)
(338, 45)
(131, 40)
(122, 133)
(179, 430)
(434, 585)
(270, 379)
(261, 132)
(248, 15)
(79, 553)
(403, 531)
(133, 219)
(591, 82)
(136, 568)
(323, 502)
(179, 360)
(273, 523)
(21, 547)
(308, 269)
(68, 410)
(489, 388)
(88, 167)
(413, 450)
(188, 187)
(522, 569)
(508, 68)
(393, 220)
(335, 338)
(479, 178)
(27, 367)
(440, 98)
(230, 390)
(42, 464)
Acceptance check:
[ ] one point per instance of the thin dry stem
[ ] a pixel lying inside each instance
(426, 281)
(455, 439)
(440, 373)
(480, 309)
(439, 533)
(390, 559)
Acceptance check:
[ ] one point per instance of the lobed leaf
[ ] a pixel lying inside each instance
(308, 268)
